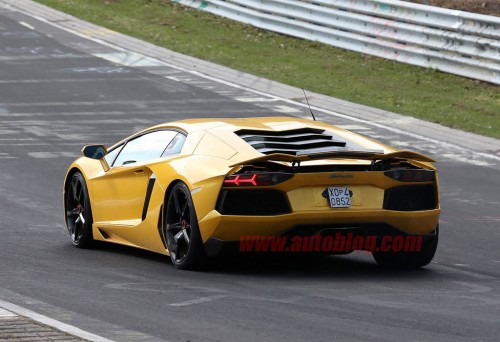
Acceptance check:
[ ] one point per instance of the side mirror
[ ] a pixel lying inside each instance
(94, 151)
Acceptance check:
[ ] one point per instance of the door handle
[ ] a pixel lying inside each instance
(139, 172)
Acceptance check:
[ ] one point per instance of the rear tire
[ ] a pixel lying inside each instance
(181, 230)
(78, 211)
(409, 259)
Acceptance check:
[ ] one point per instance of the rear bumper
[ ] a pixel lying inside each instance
(214, 246)
(232, 227)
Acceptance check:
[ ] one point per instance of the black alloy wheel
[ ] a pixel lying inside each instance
(181, 229)
(78, 212)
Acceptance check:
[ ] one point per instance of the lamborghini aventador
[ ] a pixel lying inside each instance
(191, 188)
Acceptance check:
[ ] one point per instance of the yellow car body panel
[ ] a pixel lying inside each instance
(233, 228)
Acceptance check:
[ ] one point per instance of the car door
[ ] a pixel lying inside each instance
(119, 195)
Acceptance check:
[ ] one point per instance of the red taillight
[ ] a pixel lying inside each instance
(411, 175)
(256, 179)
(238, 180)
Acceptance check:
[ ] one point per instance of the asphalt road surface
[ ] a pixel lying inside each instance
(59, 91)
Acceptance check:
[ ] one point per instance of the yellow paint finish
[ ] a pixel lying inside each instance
(207, 144)
(122, 188)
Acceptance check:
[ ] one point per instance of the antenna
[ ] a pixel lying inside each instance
(308, 104)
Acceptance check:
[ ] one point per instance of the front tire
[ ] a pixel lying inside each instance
(78, 211)
(409, 259)
(181, 229)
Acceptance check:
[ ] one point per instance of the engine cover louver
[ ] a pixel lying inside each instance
(291, 141)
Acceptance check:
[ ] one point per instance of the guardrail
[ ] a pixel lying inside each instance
(456, 42)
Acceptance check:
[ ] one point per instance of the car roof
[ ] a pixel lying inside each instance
(213, 124)
(224, 129)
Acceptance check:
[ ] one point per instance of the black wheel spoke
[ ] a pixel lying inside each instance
(183, 214)
(177, 204)
(81, 218)
(75, 232)
(80, 194)
(178, 236)
(74, 185)
(173, 249)
(185, 235)
(174, 226)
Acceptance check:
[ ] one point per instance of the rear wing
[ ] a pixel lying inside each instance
(359, 155)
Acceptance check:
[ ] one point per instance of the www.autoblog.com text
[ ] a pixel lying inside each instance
(338, 243)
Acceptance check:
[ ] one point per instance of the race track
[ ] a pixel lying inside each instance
(60, 91)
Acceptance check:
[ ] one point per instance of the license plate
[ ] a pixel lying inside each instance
(339, 197)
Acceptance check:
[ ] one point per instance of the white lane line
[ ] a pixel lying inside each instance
(26, 25)
(180, 78)
(473, 287)
(4, 155)
(482, 218)
(353, 127)
(45, 144)
(464, 159)
(128, 58)
(48, 155)
(6, 314)
(255, 99)
(286, 109)
(39, 131)
(464, 272)
(198, 300)
(400, 143)
(72, 330)
(278, 98)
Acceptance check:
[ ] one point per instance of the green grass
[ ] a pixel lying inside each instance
(423, 93)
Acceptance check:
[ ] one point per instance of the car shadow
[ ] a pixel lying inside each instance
(338, 266)
(357, 264)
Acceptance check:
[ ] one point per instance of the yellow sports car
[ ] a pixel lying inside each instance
(193, 188)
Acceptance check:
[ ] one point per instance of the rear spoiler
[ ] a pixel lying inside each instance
(359, 155)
